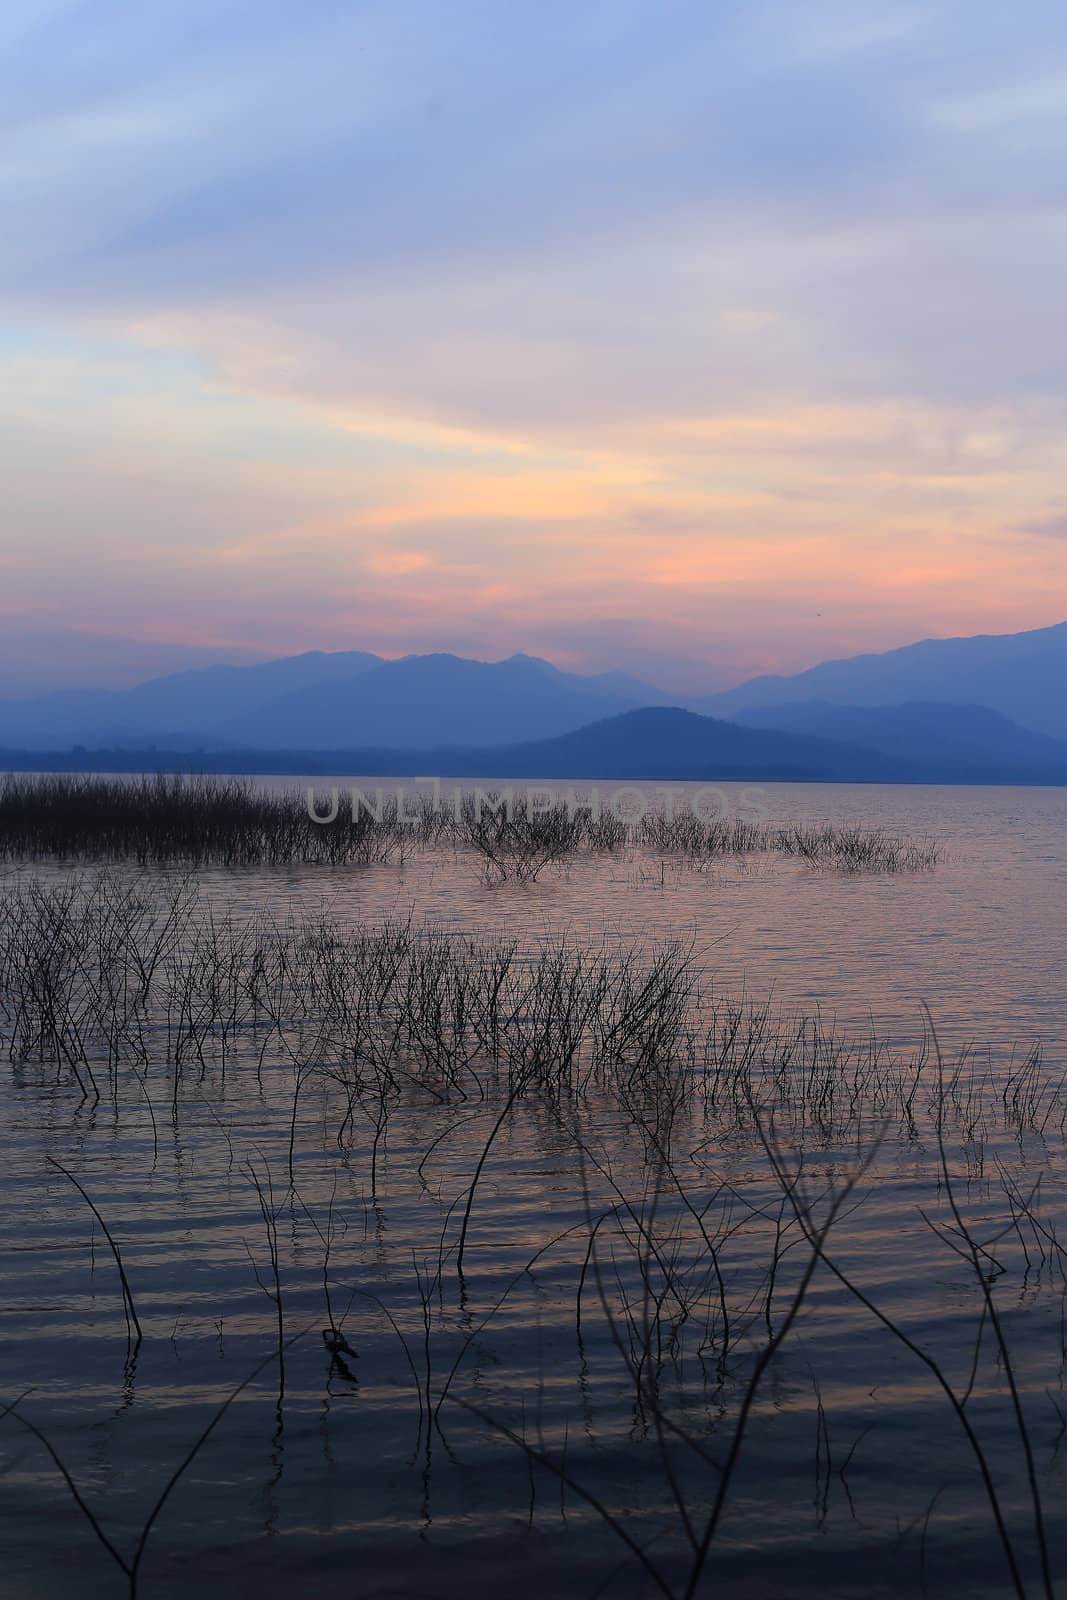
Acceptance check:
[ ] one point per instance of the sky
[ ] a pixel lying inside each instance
(698, 339)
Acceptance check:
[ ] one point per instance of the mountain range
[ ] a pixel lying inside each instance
(987, 709)
(1021, 675)
(656, 743)
(324, 701)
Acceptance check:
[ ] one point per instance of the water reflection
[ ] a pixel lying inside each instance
(493, 1402)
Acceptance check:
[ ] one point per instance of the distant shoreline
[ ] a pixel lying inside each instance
(475, 766)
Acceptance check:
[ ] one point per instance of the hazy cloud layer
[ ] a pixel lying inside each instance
(660, 334)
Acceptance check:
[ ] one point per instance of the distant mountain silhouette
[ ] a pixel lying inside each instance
(660, 742)
(667, 743)
(656, 744)
(1021, 675)
(431, 700)
(183, 709)
(321, 701)
(953, 740)
(945, 706)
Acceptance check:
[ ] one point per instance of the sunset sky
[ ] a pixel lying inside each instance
(697, 338)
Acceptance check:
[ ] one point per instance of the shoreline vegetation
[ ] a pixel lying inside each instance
(504, 764)
(205, 821)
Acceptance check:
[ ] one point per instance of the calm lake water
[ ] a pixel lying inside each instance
(980, 939)
(595, 1350)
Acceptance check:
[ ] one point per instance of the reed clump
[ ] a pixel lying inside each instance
(230, 822)
(820, 844)
(98, 977)
(517, 841)
(194, 821)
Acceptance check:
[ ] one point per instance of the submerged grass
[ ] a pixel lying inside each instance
(229, 822)
(689, 1279)
(193, 821)
(99, 978)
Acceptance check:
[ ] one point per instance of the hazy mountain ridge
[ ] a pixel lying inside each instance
(354, 701)
(658, 742)
(922, 733)
(182, 708)
(323, 701)
(1021, 675)
(653, 744)
(430, 700)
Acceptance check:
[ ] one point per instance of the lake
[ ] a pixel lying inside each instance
(555, 1160)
